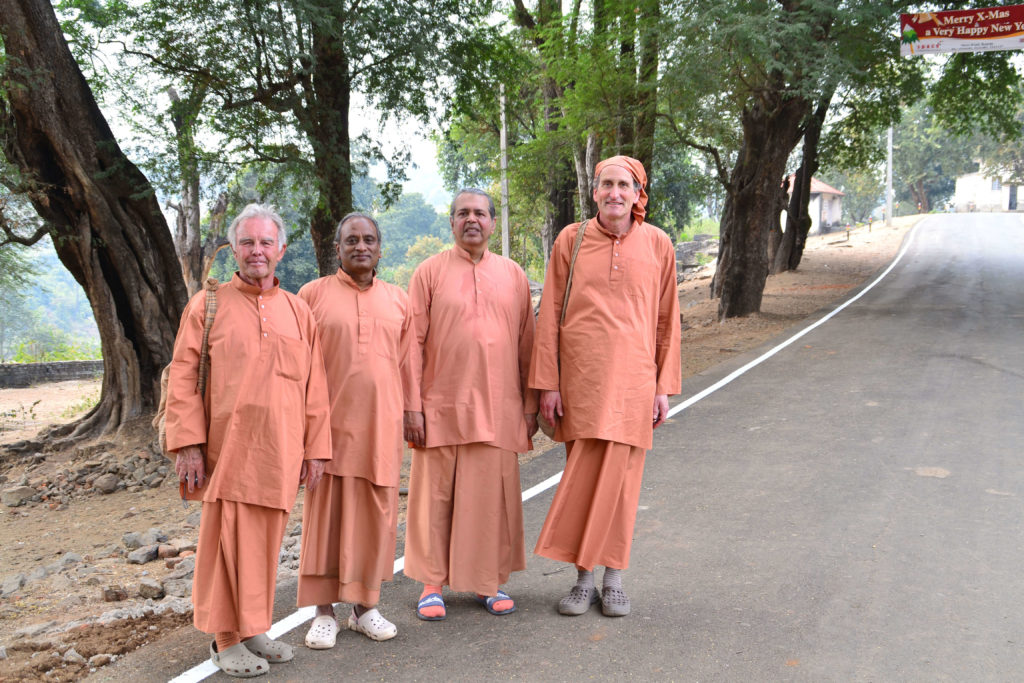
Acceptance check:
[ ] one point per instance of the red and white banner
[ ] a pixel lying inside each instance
(969, 30)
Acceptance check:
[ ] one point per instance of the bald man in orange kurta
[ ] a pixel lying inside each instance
(605, 375)
(474, 328)
(264, 427)
(349, 522)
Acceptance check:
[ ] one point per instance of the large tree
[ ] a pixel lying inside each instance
(282, 77)
(581, 80)
(97, 207)
(745, 83)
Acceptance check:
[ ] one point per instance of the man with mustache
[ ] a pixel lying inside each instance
(474, 331)
(605, 374)
(243, 448)
(349, 522)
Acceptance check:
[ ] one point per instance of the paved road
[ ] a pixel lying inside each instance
(848, 509)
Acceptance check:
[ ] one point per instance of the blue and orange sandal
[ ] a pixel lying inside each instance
(432, 600)
(488, 602)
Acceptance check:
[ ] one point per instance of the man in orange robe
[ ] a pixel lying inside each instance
(605, 375)
(264, 425)
(349, 522)
(474, 331)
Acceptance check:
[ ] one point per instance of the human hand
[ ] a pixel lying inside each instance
(531, 424)
(311, 473)
(660, 409)
(190, 467)
(551, 405)
(414, 428)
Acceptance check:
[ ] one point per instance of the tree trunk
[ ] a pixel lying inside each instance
(775, 232)
(100, 210)
(585, 159)
(561, 208)
(920, 195)
(326, 122)
(647, 86)
(798, 219)
(769, 135)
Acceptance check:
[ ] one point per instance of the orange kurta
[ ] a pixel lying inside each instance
(266, 396)
(349, 521)
(365, 337)
(619, 346)
(474, 333)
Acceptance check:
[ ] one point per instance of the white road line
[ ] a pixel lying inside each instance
(771, 352)
(304, 614)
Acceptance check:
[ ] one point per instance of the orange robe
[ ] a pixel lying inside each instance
(350, 521)
(474, 333)
(268, 410)
(618, 348)
(465, 518)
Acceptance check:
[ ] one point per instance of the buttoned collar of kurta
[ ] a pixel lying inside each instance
(619, 346)
(365, 335)
(474, 331)
(266, 396)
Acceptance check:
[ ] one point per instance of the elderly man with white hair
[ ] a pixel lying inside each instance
(262, 427)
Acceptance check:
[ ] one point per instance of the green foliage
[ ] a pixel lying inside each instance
(863, 191)
(927, 159)
(272, 82)
(408, 220)
(46, 343)
(45, 314)
(423, 248)
(83, 405)
(979, 92)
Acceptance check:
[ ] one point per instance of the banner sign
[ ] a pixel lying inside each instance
(969, 30)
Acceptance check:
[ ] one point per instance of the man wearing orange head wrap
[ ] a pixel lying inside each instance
(605, 373)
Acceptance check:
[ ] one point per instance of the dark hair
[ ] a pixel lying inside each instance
(471, 190)
(352, 216)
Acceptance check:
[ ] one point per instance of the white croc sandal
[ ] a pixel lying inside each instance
(238, 661)
(372, 625)
(322, 633)
(274, 651)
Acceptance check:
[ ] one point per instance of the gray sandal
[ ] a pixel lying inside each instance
(271, 650)
(237, 661)
(578, 601)
(614, 603)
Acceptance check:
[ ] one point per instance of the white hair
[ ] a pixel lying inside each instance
(255, 210)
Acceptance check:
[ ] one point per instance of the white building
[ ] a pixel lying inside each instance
(976, 192)
(825, 206)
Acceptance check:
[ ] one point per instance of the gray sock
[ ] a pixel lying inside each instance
(584, 579)
(612, 578)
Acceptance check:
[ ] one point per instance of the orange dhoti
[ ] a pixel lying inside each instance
(236, 567)
(465, 520)
(591, 518)
(348, 541)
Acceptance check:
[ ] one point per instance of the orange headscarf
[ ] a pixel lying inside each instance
(636, 169)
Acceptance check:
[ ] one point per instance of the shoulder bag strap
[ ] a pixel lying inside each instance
(572, 266)
(204, 350)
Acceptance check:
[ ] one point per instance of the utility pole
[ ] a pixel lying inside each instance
(888, 182)
(504, 176)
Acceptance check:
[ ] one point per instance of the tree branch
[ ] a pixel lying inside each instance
(15, 238)
(711, 151)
